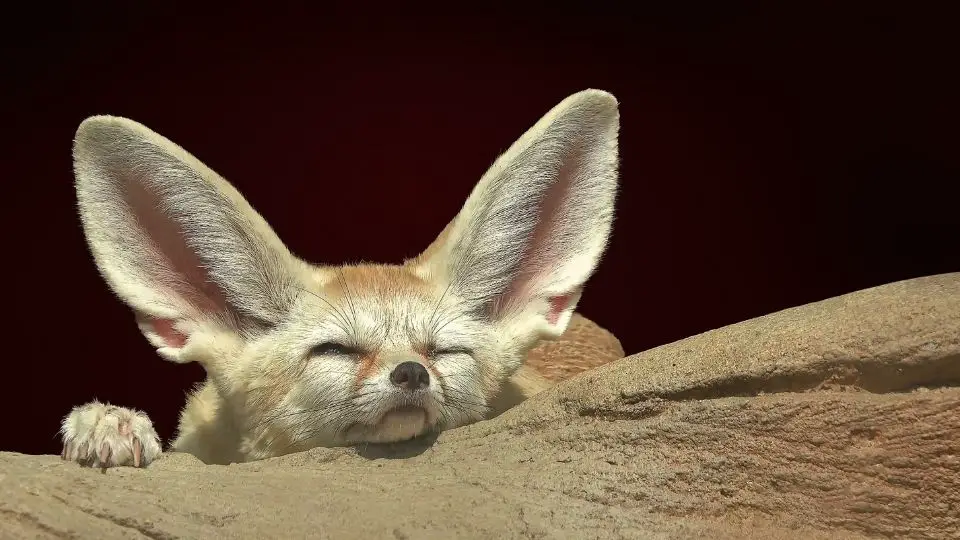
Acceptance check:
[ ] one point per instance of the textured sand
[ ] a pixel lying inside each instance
(839, 419)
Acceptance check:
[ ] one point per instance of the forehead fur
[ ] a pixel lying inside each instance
(380, 305)
(373, 279)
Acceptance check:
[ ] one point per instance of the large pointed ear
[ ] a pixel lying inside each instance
(175, 241)
(534, 228)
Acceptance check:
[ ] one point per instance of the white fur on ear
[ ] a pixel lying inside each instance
(536, 225)
(174, 240)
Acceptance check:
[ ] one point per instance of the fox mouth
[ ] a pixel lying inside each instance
(402, 414)
(395, 424)
(403, 410)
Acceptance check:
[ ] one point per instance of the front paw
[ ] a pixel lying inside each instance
(101, 435)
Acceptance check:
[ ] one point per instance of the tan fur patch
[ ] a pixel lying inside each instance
(366, 368)
(377, 278)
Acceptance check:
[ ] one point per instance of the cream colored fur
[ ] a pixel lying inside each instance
(298, 355)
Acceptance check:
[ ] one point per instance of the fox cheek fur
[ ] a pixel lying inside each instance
(299, 355)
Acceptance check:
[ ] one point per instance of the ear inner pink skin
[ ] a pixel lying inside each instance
(557, 305)
(164, 328)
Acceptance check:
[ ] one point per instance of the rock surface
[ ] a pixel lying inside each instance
(585, 345)
(838, 419)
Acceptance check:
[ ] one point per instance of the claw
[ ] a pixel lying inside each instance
(104, 453)
(137, 450)
(82, 453)
(65, 453)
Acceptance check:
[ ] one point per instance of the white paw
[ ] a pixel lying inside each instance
(101, 435)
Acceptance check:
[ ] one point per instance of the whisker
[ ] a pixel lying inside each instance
(439, 303)
(338, 313)
(348, 295)
(316, 408)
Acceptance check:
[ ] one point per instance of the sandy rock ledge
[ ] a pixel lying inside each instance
(838, 419)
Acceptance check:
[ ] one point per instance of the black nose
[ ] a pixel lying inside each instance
(410, 376)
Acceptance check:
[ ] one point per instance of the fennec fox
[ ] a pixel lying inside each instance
(299, 356)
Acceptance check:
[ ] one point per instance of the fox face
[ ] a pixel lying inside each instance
(299, 355)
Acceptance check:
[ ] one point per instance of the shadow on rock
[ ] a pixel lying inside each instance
(399, 450)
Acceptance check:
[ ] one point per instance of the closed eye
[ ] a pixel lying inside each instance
(447, 351)
(331, 348)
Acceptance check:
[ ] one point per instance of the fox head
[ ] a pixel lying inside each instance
(359, 353)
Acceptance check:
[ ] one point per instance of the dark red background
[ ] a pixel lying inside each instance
(769, 159)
